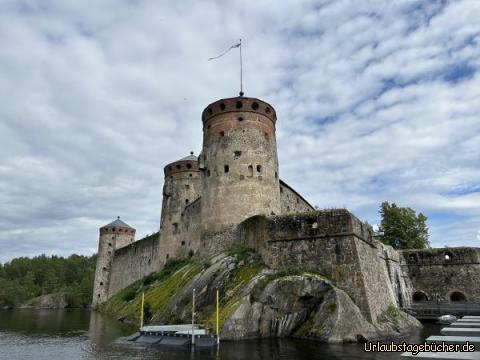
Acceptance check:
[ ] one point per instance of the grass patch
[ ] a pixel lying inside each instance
(167, 282)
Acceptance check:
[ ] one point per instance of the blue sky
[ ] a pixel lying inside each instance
(376, 101)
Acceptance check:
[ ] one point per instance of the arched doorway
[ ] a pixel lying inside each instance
(419, 296)
(457, 296)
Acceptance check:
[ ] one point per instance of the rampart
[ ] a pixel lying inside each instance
(443, 275)
(332, 242)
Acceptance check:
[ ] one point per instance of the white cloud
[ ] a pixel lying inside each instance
(377, 100)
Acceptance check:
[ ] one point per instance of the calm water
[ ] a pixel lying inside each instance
(80, 334)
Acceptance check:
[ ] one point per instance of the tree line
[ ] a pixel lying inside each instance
(24, 278)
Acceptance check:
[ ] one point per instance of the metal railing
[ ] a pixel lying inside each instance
(434, 310)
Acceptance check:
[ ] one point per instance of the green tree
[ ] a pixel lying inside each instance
(402, 228)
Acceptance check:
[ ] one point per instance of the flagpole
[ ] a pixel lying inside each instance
(241, 70)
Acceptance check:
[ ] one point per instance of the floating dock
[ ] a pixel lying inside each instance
(466, 329)
(172, 335)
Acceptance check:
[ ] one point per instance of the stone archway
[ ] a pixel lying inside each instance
(457, 296)
(419, 297)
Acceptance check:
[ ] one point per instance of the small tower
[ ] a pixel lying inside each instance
(113, 236)
(181, 188)
(239, 162)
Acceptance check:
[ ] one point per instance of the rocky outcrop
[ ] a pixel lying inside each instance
(257, 302)
(49, 301)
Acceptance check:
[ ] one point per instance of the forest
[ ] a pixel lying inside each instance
(25, 278)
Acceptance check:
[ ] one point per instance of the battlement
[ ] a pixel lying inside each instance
(239, 104)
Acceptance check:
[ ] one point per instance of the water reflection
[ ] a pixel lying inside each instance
(79, 334)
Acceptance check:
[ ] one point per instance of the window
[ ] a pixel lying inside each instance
(190, 175)
(250, 170)
(255, 106)
(238, 105)
(226, 168)
(104, 268)
(209, 111)
(175, 226)
(281, 188)
(276, 176)
(183, 243)
(240, 118)
(168, 255)
(109, 244)
(187, 201)
(222, 133)
(189, 166)
(101, 283)
(237, 154)
(169, 168)
(259, 168)
(222, 106)
(267, 110)
(208, 172)
(187, 186)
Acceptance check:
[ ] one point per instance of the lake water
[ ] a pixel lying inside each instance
(81, 334)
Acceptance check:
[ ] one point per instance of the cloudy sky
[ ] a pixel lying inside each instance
(377, 100)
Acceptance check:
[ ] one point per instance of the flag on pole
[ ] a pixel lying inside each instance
(226, 51)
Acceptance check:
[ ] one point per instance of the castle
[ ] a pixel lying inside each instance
(231, 194)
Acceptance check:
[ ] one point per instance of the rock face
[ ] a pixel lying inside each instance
(257, 302)
(49, 301)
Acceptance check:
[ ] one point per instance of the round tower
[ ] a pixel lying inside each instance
(239, 161)
(113, 236)
(181, 188)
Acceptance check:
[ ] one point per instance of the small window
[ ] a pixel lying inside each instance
(298, 200)
(208, 172)
(209, 126)
(250, 170)
(276, 176)
(175, 226)
(187, 186)
(222, 106)
(168, 255)
(104, 268)
(183, 243)
(240, 118)
(189, 166)
(226, 168)
(98, 295)
(169, 168)
(178, 167)
(237, 154)
(101, 283)
(267, 110)
(190, 175)
(187, 201)
(209, 111)
(259, 168)
(238, 105)
(222, 133)
(255, 106)
(281, 189)
(109, 252)
(109, 244)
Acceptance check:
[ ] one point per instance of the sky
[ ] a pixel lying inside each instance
(376, 101)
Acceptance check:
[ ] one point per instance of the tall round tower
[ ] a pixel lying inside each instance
(181, 188)
(239, 162)
(113, 236)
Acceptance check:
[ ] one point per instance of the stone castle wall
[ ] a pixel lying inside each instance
(133, 262)
(332, 242)
(443, 275)
(291, 201)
